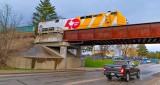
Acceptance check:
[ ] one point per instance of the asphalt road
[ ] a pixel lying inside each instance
(149, 76)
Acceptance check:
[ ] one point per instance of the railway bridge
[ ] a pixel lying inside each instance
(145, 33)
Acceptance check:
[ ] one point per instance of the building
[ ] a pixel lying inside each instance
(27, 31)
(108, 53)
(26, 28)
(132, 53)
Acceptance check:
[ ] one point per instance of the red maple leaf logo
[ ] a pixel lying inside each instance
(73, 24)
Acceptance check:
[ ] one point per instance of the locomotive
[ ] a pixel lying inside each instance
(105, 19)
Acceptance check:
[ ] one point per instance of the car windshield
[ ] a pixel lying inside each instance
(120, 63)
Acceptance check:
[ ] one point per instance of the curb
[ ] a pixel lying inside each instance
(88, 69)
(6, 72)
(33, 72)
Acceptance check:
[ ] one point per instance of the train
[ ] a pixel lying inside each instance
(104, 19)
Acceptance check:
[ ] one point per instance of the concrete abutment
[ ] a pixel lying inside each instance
(50, 56)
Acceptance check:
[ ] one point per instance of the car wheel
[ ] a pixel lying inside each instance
(109, 77)
(122, 79)
(127, 77)
(138, 74)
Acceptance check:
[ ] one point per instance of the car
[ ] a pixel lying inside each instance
(123, 69)
(149, 61)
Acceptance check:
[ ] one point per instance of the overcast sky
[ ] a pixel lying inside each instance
(136, 11)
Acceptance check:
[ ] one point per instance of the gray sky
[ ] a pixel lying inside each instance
(136, 11)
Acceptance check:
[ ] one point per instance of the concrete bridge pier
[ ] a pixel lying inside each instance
(79, 55)
(63, 53)
(79, 51)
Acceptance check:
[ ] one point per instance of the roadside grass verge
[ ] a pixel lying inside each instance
(23, 69)
(11, 68)
(97, 63)
(136, 62)
(27, 69)
(5, 68)
(20, 69)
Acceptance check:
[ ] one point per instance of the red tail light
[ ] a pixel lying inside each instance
(104, 68)
(122, 70)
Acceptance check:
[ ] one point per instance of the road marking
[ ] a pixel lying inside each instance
(157, 82)
(83, 81)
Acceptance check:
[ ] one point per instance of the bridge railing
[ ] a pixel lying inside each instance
(55, 35)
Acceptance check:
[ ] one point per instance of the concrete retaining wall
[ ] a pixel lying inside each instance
(41, 63)
(44, 64)
(72, 62)
(19, 62)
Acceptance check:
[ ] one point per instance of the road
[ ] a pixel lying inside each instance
(149, 76)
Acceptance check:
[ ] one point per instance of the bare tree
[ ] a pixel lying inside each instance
(125, 48)
(9, 21)
(104, 49)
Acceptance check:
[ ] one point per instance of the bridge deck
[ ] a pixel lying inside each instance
(128, 34)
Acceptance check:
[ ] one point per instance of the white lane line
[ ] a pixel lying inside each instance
(83, 81)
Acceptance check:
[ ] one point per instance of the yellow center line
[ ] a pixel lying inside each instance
(83, 81)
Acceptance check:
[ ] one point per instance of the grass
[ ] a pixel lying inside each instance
(6, 68)
(11, 68)
(27, 69)
(97, 63)
(22, 69)
(136, 62)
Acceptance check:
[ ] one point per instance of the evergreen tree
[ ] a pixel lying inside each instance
(142, 50)
(45, 12)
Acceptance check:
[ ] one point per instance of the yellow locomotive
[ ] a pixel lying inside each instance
(104, 19)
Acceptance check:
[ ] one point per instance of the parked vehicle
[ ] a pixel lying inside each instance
(146, 60)
(149, 61)
(155, 61)
(121, 69)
